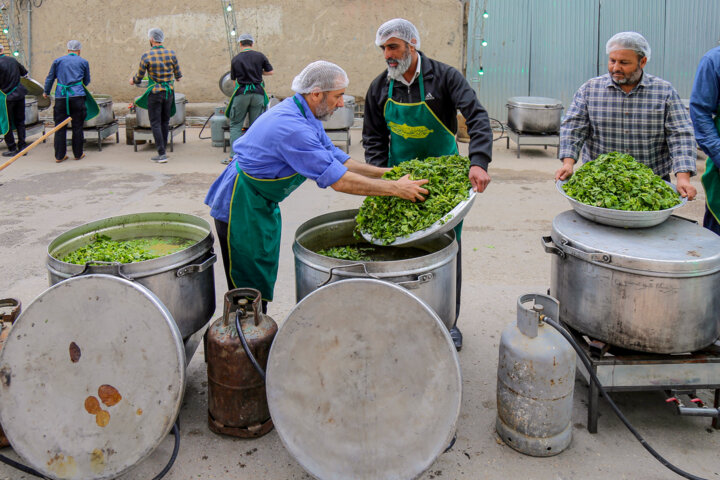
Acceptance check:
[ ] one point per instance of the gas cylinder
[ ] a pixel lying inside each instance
(536, 379)
(217, 123)
(237, 402)
(9, 311)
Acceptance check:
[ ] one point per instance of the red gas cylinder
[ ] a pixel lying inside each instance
(237, 403)
(9, 311)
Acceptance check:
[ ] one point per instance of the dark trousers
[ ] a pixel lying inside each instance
(16, 115)
(221, 228)
(159, 114)
(77, 112)
(458, 281)
(710, 223)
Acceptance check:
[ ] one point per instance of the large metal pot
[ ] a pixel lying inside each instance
(31, 110)
(105, 115)
(183, 281)
(650, 289)
(534, 114)
(429, 274)
(343, 117)
(143, 119)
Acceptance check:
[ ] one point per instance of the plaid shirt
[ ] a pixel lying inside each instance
(161, 64)
(650, 123)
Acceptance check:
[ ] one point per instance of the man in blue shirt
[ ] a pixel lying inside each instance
(73, 75)
(704, 105)
(279, 151)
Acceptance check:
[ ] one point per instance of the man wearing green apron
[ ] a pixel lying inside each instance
(281, 149)
(12, 102)
(249, 97)
(72, 99)
(161, 66)
(411, 112)
(705, 115)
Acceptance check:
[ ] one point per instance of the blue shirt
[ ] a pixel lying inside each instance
(704, 102)
(68, 69)
(281, 143)
(650, 123)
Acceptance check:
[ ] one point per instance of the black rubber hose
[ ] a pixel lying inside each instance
(614, 407)
(502, 129)
(245, 346)
(20, 467)
(203, 128)
(176, 449)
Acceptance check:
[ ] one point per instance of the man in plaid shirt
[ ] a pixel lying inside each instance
(629, 111)
(161, 65)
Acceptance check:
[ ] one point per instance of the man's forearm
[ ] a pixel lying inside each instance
(365, 169)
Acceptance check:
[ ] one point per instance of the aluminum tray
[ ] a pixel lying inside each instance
(620, 218)
(454, 217)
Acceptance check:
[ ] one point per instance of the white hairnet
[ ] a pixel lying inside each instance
(320, 76)
(156, 35)
(74, 45)
(628, 41)
(398, 28)
(246, 36)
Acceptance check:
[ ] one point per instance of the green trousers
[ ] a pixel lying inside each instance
(248, 104)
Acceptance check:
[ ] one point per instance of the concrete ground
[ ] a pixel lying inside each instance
(502, 259)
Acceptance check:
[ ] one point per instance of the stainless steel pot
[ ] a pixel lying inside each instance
(343, 117)
(183, 281)
(143, 120)
(105, 115)
(534, 114)
(430, 276)
(650, 289)
(31, 110)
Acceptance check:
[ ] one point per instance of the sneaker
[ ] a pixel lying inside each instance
(456, 336)
(60, 160)
(159, 158)
(80, 157)
(10, 153)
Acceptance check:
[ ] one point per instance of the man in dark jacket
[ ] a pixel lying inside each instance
(10, 72)
(411, 112)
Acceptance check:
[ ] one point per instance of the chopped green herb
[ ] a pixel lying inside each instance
(348, 252)
(103, 249)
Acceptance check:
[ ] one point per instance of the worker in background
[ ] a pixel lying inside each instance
(249, 97)
(12, 102)
(72, 99)
(629, 111)
(161, 66)
(417, 94)
(704, 105)
(279, 151)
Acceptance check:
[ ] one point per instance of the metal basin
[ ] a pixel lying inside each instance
(534, 114)
(430, 275)
(106, 115)
(31, 110)
(651, 289)
(183, 281)
(143, 120)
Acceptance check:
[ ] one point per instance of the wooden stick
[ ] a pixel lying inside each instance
(36, 142)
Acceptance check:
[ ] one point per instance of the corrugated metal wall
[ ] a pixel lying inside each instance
(550, 47)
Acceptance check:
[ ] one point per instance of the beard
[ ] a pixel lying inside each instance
(323, 110)
(631, 79)
(397, 72)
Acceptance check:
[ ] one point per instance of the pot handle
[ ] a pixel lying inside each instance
(347, 266)
(422, 278)
(15, 305)
(565, 249)
(551, 248)
(188, 269)
(117, 266)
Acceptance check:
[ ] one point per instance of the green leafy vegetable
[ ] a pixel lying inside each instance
(386, 218)
(348, 252)
(103, 249)
(615, 180)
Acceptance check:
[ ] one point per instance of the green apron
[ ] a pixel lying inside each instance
(416, 132)
(248, 88)
(91, 106)
(4, 119)
(254, 227)
(711, 181)
(142, 102)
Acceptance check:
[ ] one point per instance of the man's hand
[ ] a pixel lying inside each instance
(566, 170)
(411, 189)
(479, 178)
(132, 81)
(45, 95)
(684, 188)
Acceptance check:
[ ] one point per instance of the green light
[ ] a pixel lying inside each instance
(229, 8)
(233, 33)
(481, 72)
(484, 43)
(5, 30)
(486, 14)
(16, 53)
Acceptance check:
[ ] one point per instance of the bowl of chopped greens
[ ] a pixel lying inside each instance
(395, 221)
(616, 190)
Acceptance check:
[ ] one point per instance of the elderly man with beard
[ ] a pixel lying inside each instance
(411, 112)
(629, 111)
(279, 151)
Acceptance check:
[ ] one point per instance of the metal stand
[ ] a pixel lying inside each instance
(101, 132)
(341, 137)
(147, 135)
(35, 128)
(226, 138)
(621, 370)
(520, 138)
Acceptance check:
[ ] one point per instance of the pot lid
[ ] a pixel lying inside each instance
(91, 378)
(226, 84)
(348, 379)
(36, 89)
(676, 247)
(535, 102)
